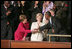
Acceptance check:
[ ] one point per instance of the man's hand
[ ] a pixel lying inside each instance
(44, 5)
(46, 21)
(53, 31)
(7, 23)
(8, 13)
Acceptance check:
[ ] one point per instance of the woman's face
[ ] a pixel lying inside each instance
(20, 17)
(39, 18)
(25, 21)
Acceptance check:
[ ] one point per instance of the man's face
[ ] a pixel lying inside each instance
(7, 4)
(47, 16)
(22, 2)
(36, 2)
(18, 1)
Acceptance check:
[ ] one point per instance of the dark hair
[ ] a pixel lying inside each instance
(7, 1)
(48, 13)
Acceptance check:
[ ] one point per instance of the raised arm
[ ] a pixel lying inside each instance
(46, 26)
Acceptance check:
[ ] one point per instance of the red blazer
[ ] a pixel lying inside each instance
(22, 31)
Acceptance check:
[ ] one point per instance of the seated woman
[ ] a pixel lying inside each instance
(22, 30)
(37, 36)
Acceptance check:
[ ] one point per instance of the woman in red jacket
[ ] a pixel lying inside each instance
(22, 30)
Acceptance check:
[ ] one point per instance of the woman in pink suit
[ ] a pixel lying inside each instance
(22, 30)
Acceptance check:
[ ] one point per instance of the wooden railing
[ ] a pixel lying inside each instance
(50, 35)
(5, 43)
(33, 44)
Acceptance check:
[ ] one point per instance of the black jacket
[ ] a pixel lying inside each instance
(55, 24)
(34, 11)
(6, 30)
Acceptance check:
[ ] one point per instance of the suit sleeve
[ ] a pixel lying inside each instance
(46, 26)
(57, 26)
(3, 13)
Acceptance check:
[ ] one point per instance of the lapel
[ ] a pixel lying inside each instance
(53, 21)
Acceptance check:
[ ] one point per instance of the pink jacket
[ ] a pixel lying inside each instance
(22, 31)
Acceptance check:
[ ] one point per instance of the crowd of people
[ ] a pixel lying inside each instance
(27, 20)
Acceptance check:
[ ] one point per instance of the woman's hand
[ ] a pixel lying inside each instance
(34, 30)
(23, 38)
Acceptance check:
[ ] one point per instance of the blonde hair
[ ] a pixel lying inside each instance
(39, 14)
(22, 17)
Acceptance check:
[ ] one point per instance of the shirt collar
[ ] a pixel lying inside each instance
(5, 6)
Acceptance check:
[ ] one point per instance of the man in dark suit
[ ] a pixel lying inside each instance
(6, 20)
(52, 25)
(34, 10)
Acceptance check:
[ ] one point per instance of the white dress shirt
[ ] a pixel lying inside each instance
(50, 21)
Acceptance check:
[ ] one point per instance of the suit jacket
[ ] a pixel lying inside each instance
(3, 13)
(55, 24)
(6, 30)
(34, 11)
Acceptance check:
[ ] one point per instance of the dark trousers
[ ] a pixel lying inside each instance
(6, 32)
(54, 39)
(64, 39)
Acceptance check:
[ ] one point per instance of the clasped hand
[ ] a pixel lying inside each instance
(35, 30)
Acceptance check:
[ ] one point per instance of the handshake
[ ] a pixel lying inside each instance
(35, 30)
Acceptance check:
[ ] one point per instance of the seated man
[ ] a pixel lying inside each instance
(52, 25)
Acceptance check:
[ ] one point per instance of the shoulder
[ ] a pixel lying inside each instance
(27, 23)
(2, 6)
(20, 24)
(34, 23)
(11, 6)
